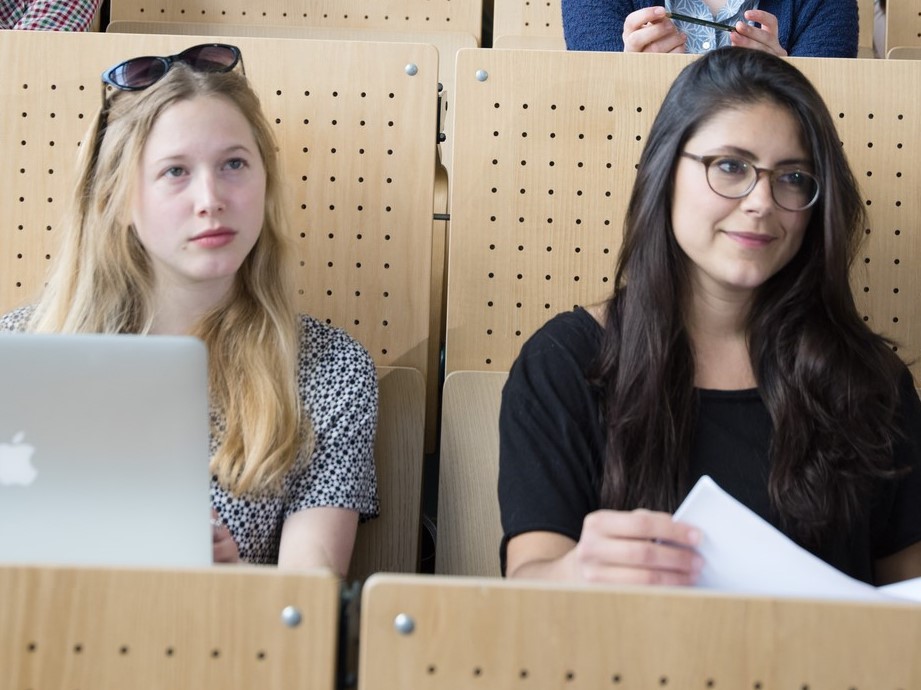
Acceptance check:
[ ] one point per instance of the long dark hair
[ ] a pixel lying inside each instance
(829, 383)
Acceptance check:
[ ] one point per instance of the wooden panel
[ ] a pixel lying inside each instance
(390, 542)
(541, 182)
(530, 42)
(218, 629)
(527, 18)
(903, 24)
(905, 53)
(446, 42)
(356, 134)
(393, 15)
(469, 528)
(489, 633)
(865, 34)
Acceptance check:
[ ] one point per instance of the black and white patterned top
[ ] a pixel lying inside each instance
(337, 382)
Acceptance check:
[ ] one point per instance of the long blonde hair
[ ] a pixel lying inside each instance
(102, 282)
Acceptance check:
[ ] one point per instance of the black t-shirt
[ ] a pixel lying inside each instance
(552, 442)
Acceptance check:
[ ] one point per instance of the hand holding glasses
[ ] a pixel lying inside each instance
(674, 16)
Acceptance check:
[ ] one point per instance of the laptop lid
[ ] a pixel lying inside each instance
(104, 450)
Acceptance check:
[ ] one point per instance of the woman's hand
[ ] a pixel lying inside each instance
(223, 547)
(765, 38)
(617, 547)
(649, 31)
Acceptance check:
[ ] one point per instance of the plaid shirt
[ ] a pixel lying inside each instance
(47, 15)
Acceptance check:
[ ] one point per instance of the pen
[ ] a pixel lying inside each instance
(702, 22)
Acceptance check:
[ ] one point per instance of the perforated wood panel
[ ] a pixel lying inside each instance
(393, 15)
(488, 633)
(446, 42)
(903, 24)
(153, 629)
(514, 20)
(355, 123)
(550, 144)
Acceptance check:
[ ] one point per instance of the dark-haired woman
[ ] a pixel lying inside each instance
(730, 347)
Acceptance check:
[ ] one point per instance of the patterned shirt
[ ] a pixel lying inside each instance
(47, 15)
(337, 384)
(702, 39)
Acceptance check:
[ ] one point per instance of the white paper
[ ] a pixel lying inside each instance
(744, 553)
(909, 589)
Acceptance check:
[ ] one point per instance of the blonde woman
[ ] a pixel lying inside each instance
(178, 228)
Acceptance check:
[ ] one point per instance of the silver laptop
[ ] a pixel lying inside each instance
(104, 450)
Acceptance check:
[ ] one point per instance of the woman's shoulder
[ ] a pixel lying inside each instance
(576, 334)
(16, 320)
(323, 343)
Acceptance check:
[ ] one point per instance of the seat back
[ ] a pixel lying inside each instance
(905, 53)
(542, 180)
(229, 627)
(389, 15)
(390, 542)
(903, 24)
(453, 633)
(528, 24)
(469, 528)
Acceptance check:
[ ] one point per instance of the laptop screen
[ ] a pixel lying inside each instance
(104, 450)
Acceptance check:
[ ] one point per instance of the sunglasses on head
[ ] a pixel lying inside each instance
(139, 73)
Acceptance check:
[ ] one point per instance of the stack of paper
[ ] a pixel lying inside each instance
(744, 553)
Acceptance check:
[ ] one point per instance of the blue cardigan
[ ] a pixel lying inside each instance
(810, 28)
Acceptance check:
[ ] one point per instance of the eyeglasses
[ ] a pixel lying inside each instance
(140, 73)
(733, 178)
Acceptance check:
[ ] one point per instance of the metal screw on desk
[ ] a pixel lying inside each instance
(404, 624)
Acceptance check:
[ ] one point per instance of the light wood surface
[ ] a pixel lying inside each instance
(390, 15)
(527, 19)
(507, 41)
(469, 529)
(905, 53)
(446, 42)
(541, 182)
(487, 633)
(356, 134)
(903, 24)
(865, 26)
(390, 542)
(217, 629)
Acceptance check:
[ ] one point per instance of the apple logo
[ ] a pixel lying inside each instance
(16, 462)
